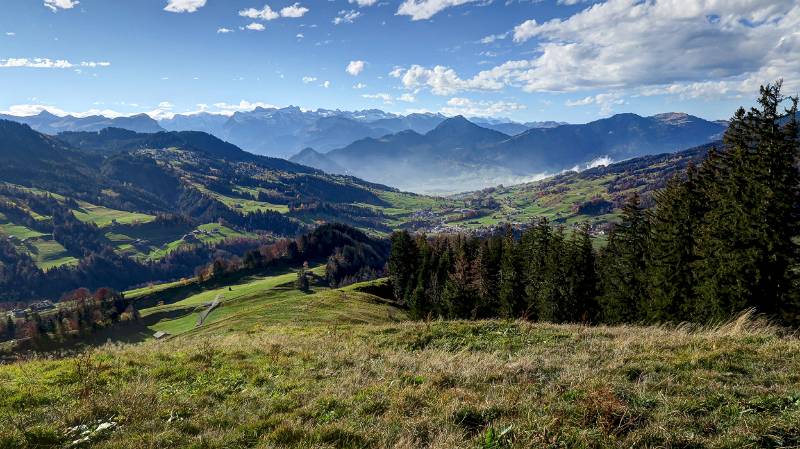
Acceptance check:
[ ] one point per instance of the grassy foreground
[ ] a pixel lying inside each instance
(488, 384)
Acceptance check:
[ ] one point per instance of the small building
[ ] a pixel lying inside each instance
(42, 306)
(160, 335)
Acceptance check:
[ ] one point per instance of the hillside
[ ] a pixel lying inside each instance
(460, 155)
(488, 384)
(595, 195)
(153, 197)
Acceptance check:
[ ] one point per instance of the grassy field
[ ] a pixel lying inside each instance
(103, 216)
(383, 384)
(258, 301)
(46, 252)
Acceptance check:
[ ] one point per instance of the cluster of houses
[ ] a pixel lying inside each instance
(37, 307)
(194, 236)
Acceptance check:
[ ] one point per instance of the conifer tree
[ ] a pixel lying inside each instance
(509, 295)
(746, 250)
(402, 264)
(671, 259)
(623, 266)
(582, 283)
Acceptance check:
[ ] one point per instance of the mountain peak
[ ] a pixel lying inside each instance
(673, 118)
(46, 114)
(457, 123)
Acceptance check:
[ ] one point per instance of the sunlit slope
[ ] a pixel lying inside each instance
(490, 384)
(258, 301)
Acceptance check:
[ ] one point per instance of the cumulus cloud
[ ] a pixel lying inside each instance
(363, 3)
(384, 97)
(445, 81)
(606, 101)
(224, 30)
(355, 67)
(346, 16)
(242, 106)
(55, 5)
(265, 13)
(472, 108)
(425, 9)
(180, 6)
(255, 26)
(46, 63)
(407, 97)
(691, 47)
(294, 11)
(326, 84)
(309, 79)
(359, 86)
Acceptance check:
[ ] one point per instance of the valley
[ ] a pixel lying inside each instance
(408, 224)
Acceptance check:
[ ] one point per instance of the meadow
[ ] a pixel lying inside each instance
(379, 381)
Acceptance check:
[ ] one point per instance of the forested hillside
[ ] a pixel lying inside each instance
(121, 207)
(720, 239)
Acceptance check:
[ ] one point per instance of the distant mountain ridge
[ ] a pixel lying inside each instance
(52, 124)
(460, 155)
(277, 132)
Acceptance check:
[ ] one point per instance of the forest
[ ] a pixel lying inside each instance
(720, 239)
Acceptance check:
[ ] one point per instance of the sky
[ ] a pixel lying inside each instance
(527, 60)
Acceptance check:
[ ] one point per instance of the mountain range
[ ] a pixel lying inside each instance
(48, 123)
(459, 155)
(278, 132)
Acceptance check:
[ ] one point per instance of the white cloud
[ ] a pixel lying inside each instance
(493, 38)
(326, 84)
(25, 110)
(445, 81)
(363, 3)
(55, 5)
(686, 41)
(294, 11)
(359, 86)
(345, 16)
(46, 63)
(180, 6)
(407, 97)
(472, 108)
(425, 9)
(606, 102)
(265, 13)
(685, 47)
(242, 106)
(355, 67)
(10, 33)
(224, 30)
(300, 35)
(255, 26)
(308, 79)
(386, 98)
(397, 72)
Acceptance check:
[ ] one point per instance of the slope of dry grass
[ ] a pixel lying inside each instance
(488, 384)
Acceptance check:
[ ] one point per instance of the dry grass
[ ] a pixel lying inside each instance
(487, 384)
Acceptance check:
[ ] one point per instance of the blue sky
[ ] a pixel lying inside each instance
(566, 60)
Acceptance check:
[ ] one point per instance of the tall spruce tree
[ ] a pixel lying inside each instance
(510, 291)
(402, 265)
(671, 258)
(746, 251)
(623, 266)
(582, 281)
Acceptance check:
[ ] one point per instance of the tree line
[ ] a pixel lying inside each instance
(80, 314)
(719, 239)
